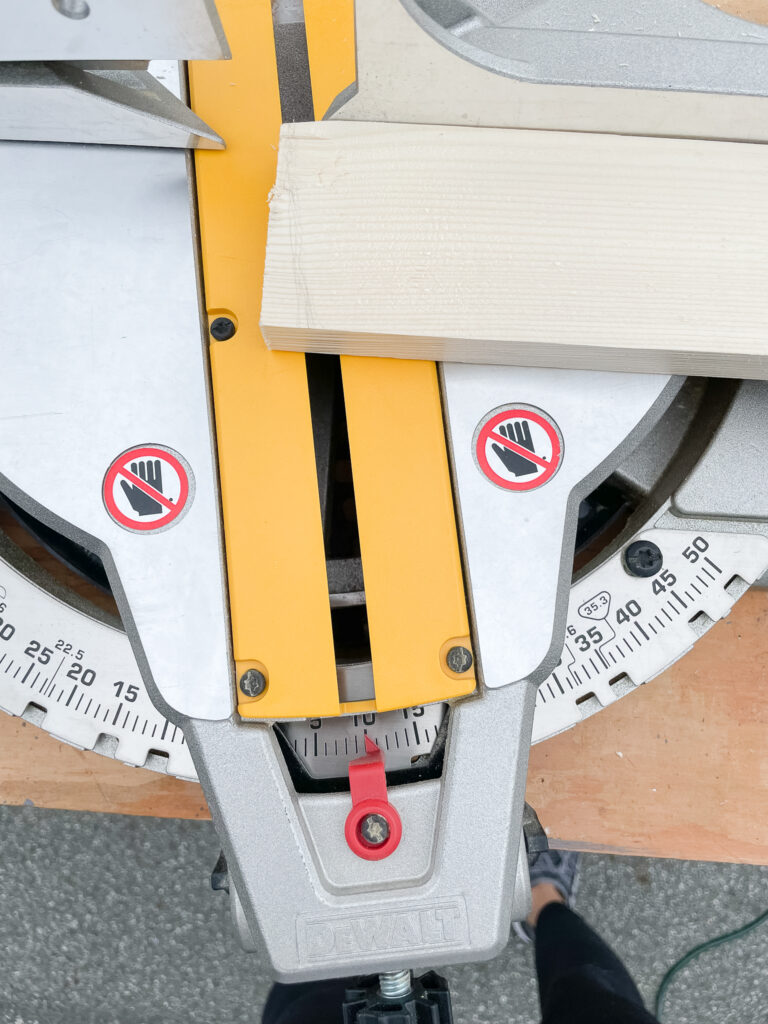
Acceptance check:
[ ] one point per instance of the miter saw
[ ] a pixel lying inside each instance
(346, 594)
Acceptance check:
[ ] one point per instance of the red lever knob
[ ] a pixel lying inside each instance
(373, 828)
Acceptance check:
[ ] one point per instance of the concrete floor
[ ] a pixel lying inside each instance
(111, 919)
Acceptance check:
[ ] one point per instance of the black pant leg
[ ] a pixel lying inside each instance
(581, 980)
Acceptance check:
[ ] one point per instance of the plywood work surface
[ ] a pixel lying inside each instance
(491, 245)
(749, 10)
(678, 769)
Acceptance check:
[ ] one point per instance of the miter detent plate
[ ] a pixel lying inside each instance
(63, 667)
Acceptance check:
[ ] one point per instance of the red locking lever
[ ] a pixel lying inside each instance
(373, 828)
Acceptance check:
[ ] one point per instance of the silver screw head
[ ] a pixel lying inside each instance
(374, 828)
(459, 660)
(253, 683)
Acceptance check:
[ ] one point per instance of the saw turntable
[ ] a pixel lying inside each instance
(346, 594)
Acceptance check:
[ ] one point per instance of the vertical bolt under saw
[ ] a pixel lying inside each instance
(395, 984)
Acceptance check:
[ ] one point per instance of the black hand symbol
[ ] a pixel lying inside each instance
(520, 433)
(141, 502)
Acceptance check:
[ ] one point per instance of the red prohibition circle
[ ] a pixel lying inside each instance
(354, 838)
(546, 424)
(119, 467)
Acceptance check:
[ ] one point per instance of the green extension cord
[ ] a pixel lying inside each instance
(691, 955)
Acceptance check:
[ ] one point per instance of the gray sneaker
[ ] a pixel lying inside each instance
(561, 869)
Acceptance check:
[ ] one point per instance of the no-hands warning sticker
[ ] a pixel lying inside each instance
(518, 447)
(148, 488)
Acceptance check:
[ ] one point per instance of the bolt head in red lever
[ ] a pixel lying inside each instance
(373, 828)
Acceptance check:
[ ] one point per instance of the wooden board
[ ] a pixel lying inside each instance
(750, 10)
(542, 248)
(678, 769)
(37, 769)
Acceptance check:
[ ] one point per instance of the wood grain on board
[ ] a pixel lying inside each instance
(535, 248)
(678, 769)
(37, 769)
